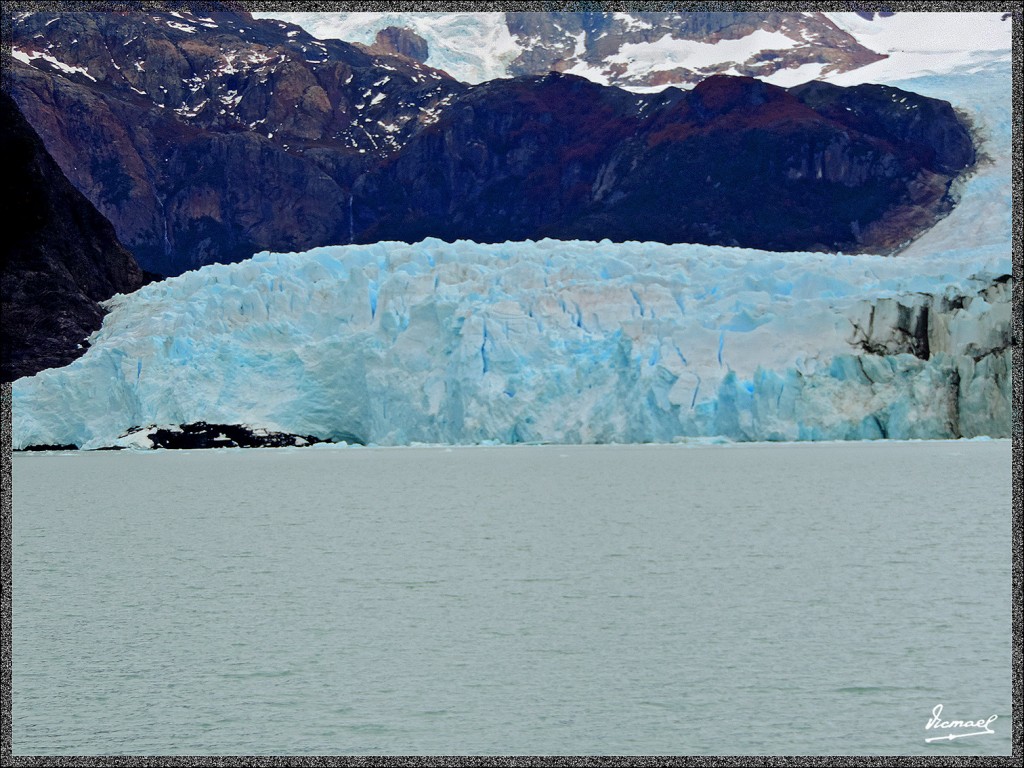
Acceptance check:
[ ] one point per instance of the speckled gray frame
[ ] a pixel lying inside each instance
(1018, 416)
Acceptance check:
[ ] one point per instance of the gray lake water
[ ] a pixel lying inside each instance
(741, 599)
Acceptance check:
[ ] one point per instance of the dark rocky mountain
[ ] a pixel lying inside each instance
(209, 137)
(735, 161)
(61, 257)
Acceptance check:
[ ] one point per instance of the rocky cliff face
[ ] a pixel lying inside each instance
(61, 257)
(399, 41)
(208, 138)
(733, 162)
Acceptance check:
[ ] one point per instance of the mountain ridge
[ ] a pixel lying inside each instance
(211, 137)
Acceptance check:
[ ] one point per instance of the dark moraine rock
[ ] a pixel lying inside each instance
(203, 435)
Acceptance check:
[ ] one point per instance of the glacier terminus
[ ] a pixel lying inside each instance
(550, 341)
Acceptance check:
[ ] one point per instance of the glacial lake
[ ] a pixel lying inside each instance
(674, 599)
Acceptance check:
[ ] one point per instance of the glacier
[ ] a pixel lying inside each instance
(549, 341)
(571, 342)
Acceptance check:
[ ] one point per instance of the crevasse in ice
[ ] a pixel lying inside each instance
(571, 341)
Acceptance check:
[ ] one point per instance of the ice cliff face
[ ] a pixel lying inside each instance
(550, 341)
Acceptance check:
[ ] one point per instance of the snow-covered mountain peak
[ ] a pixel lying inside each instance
(649, 51)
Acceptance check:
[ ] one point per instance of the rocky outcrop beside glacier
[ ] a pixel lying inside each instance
(735, 161)
(61, 257)
(398, 41)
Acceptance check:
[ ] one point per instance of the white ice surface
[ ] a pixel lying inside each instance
(787, 78)
(669, 53)
(926, 43)
(928, 31)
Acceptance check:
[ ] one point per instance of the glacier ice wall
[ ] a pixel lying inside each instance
(548, 341)
(572, 341)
